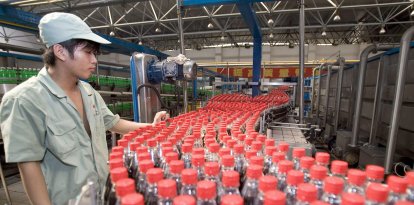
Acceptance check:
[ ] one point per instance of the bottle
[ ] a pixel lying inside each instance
(356, 182)
(376, 194)
(197, 162)
(352, 199)
(116, 174)
(274, 197)
(339, 168)
(305, 164)
(163, 156)
(154, 175)
(266, 183)
(397, 187)
(375, 174)
(141, 183)
(284, 167)
(132, 199)
(186, 156)
(269, 150)
(258, 146)
(322, 159)
(232, 199)
(124, 143)
(307, 193)
(153, 151)
(124, 187)
(170, 156)
(176, 167)
(250, 187)
(239, 159)
(333, 186)
(213, 152)
(283, 147)
(294, 178)
(276, 158)
(404, 202)
(212, 171)
(410, 190)
(227, 162)
(230, 183)
(257, 160)
(184, 200)
(297, 153)
(132, 159)
(206, 193)
(318, 202)
(189, 181)
(166, 191)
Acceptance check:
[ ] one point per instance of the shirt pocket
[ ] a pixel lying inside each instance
(62, 139)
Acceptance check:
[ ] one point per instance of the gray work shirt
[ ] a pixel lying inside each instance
(40, 123)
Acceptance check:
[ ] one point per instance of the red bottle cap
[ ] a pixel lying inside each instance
(356, 177)
(123, 143)
(248, 141)
(227, 160)
(145, 165)
(186, 148)
(189, 176)
(254, 171)
(261, 138)
(231, 179)
(377, 192)
(352, 199)
(115, 155)
(241, 137)
(124, 186)
(212, 168)
(306, 162)
(206, 190)
(171, 156)
(251, 153)
(184, 200)
(118, 149)
(154, 175)
(238, 149)
(339, 167)
(231, 199)
(317, 202)
(118, 173)
(404, 203)
(214, 147)
(333, 185)
(144, 156)
(198, 151)
(274, 197)
(375, 172)
(167, 188)
(152, 142)
(166, 150)
(117, 162)
(257, 160)
(257, 145)
(132, 199)
(270, 142)
(267, 183)
(269, 150)
(298, 152)
(410, 178)
(322, 157)
(397, 184)
(140, 139)
(140, 150)
(253, 135)
(133, 145)
(278, 156)
(225, 151)
(197, 160)
(176, 166)
(285, 166)
(307, 192)
(231, 143)
(295, 177)
(283, 147)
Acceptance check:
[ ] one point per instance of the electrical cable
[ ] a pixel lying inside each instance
(156, 92)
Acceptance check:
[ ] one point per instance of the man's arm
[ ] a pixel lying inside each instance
(34, 183)
(125, 126)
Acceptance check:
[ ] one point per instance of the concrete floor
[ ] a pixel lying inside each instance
(17, 194)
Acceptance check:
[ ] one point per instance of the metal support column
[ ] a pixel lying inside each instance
(182, 50)
(257, 59)
(313, 89)
(318, 97)
(328, 87)
(339, 92)
(301, 59)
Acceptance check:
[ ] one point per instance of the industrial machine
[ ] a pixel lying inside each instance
(147, 73)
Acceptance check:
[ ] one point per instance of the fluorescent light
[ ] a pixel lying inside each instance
(331, 2)
(337, 17)
(382, 31)
(40, 3)
(323, 33)
(20, 2)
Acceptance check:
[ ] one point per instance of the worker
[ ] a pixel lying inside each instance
(54, 124)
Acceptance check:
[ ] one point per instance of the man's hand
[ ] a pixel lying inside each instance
(160, 116)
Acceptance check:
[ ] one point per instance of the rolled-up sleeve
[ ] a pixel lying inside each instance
(23, 130)
(109, 118)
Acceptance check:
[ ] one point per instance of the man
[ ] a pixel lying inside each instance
(53, 124)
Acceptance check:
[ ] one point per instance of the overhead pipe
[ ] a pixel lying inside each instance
(399, 93)
(301, 59)
(328, 86)
(339, 91)
(377, 101)
(360, 88)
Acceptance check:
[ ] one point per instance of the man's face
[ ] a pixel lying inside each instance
(83, 63)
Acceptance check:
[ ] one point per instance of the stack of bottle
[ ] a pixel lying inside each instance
(214, 156)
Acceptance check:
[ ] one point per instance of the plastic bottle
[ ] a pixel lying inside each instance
(276, 158)
(318, 174)
(266, 183)
(206, 193)
(184, 200)
(166, 191)
(269, 150)
(213, 152)
(239, 160)
(375, 174)
(212, 171)
(284, 167)
(189, 181)
(397, 187)
(305, 164)
(197, 162)
(154, 175)
(141, 183)
(356, 181)
(322, 159)
(283, 147)
(274, 197)
(376, 194)
(227, 163)
(176, 167)
(318, 202)
(307, 193)
(170, 156)
(186, 154)
(294, 178)
(152, 149)
(352, 199)
(250, 187)
(339, 168)
(297, 153)
(132, 199)
(124, 187)
(410, 190)
(116, 174)
(333, 186)
(230, 183)
(231, 200)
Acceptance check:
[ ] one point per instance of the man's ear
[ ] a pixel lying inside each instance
(60, 52)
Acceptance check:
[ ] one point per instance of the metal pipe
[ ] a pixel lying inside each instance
(185, 96)
(339, 92)
(301, 59)
(294, 96)
(377, 101)
(318, 97)
(182, 50)
(399, 93)
(328, 87)
(313, 87)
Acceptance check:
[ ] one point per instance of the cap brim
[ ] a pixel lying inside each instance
(92, 37)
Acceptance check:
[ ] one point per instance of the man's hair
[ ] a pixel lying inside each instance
(49, 58)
